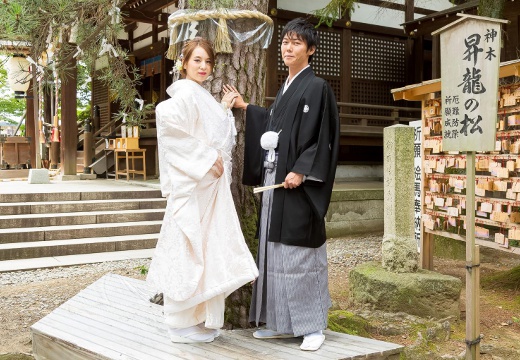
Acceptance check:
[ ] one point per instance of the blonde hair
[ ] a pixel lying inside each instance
(190, 46)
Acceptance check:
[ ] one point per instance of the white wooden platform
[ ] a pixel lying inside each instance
(113, 319)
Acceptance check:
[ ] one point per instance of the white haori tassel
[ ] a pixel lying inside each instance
(269, 141)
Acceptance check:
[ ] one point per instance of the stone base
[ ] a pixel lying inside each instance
(38, 176)
(423, 293)
(399, 253)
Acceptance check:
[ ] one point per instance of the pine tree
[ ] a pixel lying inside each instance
(52, 32)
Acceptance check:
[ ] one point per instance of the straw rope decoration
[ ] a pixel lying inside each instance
(222, 41)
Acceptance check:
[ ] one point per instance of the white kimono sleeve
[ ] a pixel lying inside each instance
(184, 159)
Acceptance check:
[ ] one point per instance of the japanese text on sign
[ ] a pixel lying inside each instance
(417, 125)
(470, 61)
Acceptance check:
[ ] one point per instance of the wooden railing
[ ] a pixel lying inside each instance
(372, 125)
(369, 125)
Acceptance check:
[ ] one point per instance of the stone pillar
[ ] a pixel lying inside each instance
(399, 252)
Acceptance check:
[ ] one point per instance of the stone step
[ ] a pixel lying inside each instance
(79, 218)
(39, 249)
(78, 231)
(80, 206)
(77, 196)
(71, 260)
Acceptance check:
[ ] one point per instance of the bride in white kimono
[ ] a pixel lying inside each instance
(201, 256)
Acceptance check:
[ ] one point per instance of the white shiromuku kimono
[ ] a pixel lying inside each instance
(201, 256)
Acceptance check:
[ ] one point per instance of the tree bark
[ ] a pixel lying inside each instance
(491, 8)
(246, 70)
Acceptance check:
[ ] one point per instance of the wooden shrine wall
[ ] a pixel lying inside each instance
(361, 66)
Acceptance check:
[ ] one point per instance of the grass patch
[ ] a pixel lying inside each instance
(509, 280)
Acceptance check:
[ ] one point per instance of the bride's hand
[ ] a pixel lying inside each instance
(218, 167)
(229, 99)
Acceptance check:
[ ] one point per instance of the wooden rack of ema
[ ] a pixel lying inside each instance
(497, 187)
(127, 149)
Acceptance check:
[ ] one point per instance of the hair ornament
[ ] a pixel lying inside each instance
(177, 68)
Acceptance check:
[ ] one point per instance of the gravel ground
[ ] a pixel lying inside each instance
(28, 296)
(347, 252)
(32, 276)
(340, 254)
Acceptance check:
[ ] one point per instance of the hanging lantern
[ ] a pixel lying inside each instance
(18, 74)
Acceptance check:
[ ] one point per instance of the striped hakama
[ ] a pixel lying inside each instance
(291, 295)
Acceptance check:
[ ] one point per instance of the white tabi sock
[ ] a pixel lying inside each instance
(312, 341)
(190, 334)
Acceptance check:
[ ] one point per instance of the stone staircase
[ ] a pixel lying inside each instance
(67, 228)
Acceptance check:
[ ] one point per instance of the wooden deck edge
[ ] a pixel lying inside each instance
(46, 347)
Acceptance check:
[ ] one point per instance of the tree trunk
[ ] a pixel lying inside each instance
(246, 70)
(491, 8)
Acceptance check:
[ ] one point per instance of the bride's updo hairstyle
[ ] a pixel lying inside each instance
(190, 45)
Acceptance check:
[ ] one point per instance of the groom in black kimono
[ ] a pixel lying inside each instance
(294, 142)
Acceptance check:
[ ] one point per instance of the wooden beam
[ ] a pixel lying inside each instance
(150, 34)
(361, 140)
(147, 17)
(417, 92)
(154, 49)
(157, 5)
(131, 27)
(510, 69)
(409, 11)
(391, 5)
(30, 129)
(155, 33)
(289, 15)
(361, 130)
(150, 5)
(69, 127)
(436, 57)
(415, 58)
(346, 67)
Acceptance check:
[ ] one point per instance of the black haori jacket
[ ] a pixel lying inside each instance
(307, 114)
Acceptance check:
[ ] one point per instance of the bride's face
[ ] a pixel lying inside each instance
(199, 66)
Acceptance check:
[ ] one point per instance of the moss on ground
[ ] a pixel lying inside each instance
(509, 280)
(345, 322)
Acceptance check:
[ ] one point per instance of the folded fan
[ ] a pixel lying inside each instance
(269, 187)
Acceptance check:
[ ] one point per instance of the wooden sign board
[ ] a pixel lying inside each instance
(470, 60)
